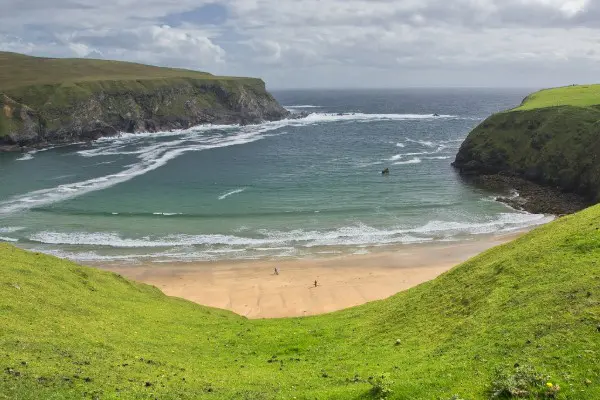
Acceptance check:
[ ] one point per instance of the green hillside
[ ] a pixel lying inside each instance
(551, 139)
(46, 100)
(576, 95)
(18, 70)
(68, 331)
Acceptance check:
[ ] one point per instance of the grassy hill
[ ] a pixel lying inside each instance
(576, 96)
(511, 320)
(47, 100)
(18, 70)
(551, 139)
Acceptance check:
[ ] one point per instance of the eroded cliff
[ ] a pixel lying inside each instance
(63, 111)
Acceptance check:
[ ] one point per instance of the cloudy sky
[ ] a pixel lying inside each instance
(325, 43)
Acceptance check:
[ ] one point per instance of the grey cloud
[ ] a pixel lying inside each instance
(321, 42)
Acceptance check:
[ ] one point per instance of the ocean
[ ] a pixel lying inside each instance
(308, 187)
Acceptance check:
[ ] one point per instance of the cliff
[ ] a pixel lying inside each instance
(552, 139)
(46, 101)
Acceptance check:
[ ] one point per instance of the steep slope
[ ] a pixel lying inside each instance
(69, 331)
(64, 100)
(553, 139)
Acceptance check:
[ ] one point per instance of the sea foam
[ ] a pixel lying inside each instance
(231, 193)
(414, 160)
(354, 235)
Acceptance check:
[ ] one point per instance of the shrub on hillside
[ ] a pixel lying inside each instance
(522, 382)
(381, 385)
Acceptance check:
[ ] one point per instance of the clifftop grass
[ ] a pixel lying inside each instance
(69, 331)
(576, 96)
(18, 70)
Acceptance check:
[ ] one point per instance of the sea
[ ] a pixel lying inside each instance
(297, 188)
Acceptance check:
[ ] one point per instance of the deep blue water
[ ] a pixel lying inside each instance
(293, 188)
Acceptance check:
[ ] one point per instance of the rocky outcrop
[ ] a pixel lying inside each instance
(556, 147)
(63, 113)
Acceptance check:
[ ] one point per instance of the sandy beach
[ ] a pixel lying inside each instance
(252, 289)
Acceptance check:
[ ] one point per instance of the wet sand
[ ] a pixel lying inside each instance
(252, 289)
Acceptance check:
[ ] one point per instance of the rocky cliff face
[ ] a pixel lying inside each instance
(63, 113)
(557, 147)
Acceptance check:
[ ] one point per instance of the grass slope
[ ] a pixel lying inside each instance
(18, 70)
(68, 331)
(576, 95)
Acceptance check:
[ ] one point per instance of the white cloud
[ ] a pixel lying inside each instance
(152, 44)
(325, 42)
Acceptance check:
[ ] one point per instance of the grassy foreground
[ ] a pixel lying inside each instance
(68, 331)
(576, 95)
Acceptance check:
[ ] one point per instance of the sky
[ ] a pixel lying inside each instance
(325, 43)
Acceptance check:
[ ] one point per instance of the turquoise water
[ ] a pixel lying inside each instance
(292, 188)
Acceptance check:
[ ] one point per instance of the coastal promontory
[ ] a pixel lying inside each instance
(548, 147)
(48, 101)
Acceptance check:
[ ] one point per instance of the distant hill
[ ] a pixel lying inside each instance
(46, 100)
(519, 321)
(18, 70)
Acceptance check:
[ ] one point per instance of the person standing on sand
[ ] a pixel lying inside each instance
(316, 284)
(276, 271)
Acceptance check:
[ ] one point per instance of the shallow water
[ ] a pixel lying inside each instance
(292, 188)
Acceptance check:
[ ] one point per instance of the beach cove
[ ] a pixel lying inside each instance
(252, 289)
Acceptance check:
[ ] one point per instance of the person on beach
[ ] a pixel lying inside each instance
(316, 284)
(276, 271)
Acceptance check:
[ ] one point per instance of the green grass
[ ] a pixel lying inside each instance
(577, 96)
(68, 331)
(17, 70)
(59, 83)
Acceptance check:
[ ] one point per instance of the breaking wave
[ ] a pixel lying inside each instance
(356, 235)
(415, 160)
(293, 107)
(226, 195)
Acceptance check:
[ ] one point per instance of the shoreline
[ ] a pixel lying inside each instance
(250, 288)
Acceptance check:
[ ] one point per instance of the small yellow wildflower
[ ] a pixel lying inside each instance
(549, 384)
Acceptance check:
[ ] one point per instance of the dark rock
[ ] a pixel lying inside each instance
(522, 194)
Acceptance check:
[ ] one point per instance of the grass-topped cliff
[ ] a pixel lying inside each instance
(576, 96)
(505, 323)
(553, 138)
(62, 100)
